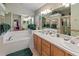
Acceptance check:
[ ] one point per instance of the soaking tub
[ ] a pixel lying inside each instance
(14, 41)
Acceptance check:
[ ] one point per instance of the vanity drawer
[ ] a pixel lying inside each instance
(58, 52)
(35, 41)
(39, 45)
(45, 53)
(45, 48)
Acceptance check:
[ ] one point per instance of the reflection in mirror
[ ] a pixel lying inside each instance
(5, 23)
(1, 22)
(58, 19)
(65, 25)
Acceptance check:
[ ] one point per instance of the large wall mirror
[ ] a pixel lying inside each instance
(59, 19)
(5, 20)
(2, 18)
(68, 21)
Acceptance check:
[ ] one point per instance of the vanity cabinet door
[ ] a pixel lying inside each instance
(67, 54)
(58, 52)
(45, 48)
(55, 51)
(35, 41)
(39, 45)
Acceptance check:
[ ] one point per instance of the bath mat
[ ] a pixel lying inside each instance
(24, 52)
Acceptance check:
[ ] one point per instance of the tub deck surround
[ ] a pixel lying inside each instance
(15, 36)
(59, 42)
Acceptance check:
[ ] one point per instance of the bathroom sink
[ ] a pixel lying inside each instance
(72, 47)
(72, 44)
(67, 38)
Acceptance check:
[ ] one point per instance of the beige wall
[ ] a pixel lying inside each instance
(2, 13)
(8, 18)
(75, 19)
(2, 18)
(23, 25)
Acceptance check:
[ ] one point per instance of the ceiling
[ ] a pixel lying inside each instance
(32, 6)
(23, 8)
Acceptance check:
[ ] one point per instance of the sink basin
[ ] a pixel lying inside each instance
(74, 40)
(72, 47)
(72, 44)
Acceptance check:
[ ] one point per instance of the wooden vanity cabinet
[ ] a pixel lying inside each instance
(45, 48)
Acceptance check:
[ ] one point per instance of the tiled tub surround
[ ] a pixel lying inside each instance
(71, 45)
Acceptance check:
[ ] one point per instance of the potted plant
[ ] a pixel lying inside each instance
(32, 26)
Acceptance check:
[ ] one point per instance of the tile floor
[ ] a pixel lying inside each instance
(35, 52)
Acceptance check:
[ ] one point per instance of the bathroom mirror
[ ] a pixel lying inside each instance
(2, 18)
(1, 22)
(50, 21)
(59, 19)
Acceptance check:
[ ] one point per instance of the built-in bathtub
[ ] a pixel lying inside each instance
(15, 40)
(14, 36)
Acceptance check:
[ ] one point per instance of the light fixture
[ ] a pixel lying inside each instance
(46, 11)
(66, 4)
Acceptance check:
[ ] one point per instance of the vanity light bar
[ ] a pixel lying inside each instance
(46, 11)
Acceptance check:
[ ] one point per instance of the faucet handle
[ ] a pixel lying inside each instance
(10, 38)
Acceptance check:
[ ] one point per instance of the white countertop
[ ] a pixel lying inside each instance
(60, 42)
